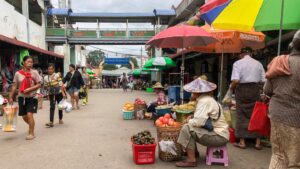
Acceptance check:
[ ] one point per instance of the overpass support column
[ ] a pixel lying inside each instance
(67, 57)
(98, 29)
(127, 31)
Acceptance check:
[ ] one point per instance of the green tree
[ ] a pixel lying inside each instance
(134, 61)
(95, 57)
(109, 67)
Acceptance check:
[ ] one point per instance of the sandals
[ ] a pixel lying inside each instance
(186, 164)
(258, 147)
(49, 125)
(61, 122)
(30, 137)
(238, 145)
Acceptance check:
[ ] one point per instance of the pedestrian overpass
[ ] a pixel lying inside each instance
(58, 34)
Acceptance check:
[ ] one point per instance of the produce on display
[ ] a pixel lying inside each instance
(166, 121)
(163, 107)
(128, 107)
(139, 101)
(191, 106)
(143, 138)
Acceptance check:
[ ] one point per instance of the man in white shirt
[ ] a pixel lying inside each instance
(247, 74)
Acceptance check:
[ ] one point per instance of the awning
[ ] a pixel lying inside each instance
(16, 42)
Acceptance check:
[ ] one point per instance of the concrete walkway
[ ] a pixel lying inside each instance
(97, 137)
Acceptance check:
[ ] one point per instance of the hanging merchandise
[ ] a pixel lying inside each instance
(23, 53)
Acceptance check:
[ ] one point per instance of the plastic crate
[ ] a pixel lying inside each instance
(162, 112)
(143, 154)
(127, 115)
(149, 90)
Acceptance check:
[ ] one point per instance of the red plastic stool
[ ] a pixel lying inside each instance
(217, 155)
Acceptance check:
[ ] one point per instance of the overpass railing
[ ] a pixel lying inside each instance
(105, 33)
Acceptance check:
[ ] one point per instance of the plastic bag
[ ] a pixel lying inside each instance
(228, 97)
(10, 118)
(260, 122)
(62, 105)
(227, 115)
(168, 147)
(68, 107)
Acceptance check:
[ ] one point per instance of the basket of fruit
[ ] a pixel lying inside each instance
(168, 130)
(162, 110)
(128, 110)
(183, 111)
(139, 104)
(143, 148)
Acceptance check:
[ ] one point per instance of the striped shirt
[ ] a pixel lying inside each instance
(285, 95)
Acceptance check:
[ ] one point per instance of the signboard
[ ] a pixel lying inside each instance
(117, 61)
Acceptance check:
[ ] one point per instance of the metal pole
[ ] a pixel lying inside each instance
(221, 78)
(127, 34)
(281, 26)
(98, 29)
(141, 57)
(182, 77)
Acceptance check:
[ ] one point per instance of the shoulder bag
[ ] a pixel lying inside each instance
(208, 124)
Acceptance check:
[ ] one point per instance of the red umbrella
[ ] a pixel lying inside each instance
(182, 36)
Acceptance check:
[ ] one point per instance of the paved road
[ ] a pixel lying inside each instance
(97, 137)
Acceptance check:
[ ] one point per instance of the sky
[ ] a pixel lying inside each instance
(119, 6)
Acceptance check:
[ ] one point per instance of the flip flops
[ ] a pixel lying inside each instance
(186, 164)
(238, 145)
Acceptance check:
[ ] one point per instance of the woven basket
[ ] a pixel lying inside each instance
(169, 134)
(140, 107)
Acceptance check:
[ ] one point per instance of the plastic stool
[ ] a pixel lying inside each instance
(223, 155)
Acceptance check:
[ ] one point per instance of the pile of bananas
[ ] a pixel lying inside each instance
(191, 106)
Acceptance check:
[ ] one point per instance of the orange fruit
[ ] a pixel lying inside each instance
(167, 116)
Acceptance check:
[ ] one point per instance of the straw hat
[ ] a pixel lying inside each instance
(157, 86)
(200, 86)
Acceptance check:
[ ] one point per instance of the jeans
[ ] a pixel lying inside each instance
(53, 99)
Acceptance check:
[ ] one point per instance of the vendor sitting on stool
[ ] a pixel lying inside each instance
(161, 98)
(196, 128)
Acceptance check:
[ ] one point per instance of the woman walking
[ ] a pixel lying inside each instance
(53, 83)
(87, 82)
(73, 82)
(28, 81)
(124, 82)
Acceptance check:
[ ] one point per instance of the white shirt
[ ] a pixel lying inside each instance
(248, 70)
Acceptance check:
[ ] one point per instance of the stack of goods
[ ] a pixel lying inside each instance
(128, 110)
(183, 111)
(139, 108)
(10, 118)
(143, 148)
(167, 134)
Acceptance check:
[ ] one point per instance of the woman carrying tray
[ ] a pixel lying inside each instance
(207, 127)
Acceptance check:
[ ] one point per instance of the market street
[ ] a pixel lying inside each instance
(95, 137)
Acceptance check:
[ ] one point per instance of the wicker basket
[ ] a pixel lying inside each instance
(169, 134)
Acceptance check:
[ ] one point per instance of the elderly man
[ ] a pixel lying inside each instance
(283, 80)
(247, 74)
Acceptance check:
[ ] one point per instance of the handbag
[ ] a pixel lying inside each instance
(208, 124)
(260, 122)
(82, 94)
(53, 90)
(69, 82)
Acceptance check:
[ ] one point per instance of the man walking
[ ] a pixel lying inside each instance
(247, 74)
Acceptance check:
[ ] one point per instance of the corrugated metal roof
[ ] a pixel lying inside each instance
(28, 46)
(164, 12)
(59, 11)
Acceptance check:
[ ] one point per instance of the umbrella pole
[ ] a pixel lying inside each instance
(182, 78)
(221, 78)
(281, 25)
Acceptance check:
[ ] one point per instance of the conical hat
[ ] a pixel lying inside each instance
(200, 86)
(157, 86)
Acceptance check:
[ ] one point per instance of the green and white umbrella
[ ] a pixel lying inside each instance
(138, 72)
(160, 63)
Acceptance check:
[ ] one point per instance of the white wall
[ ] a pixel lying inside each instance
(13, 25)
